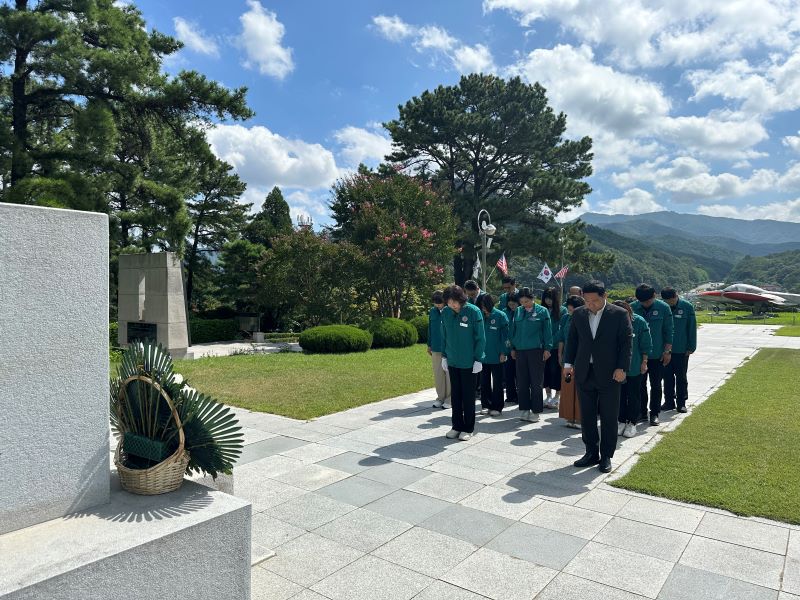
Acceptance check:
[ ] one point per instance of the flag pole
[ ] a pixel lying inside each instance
(562, 235)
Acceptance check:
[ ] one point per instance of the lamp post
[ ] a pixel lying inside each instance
(486, 231)
(562, 237)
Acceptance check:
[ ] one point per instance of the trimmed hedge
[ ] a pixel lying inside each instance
(335, 339)
(205, 331)
(113, 334)
(421, 323)
(392, 333)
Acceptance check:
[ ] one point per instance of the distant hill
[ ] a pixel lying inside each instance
(782, 270)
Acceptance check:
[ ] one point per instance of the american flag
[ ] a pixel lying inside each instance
(502, 264)
(562, 273)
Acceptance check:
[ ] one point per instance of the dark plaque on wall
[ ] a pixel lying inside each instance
(140, 332)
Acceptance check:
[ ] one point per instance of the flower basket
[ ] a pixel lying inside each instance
(167, 475)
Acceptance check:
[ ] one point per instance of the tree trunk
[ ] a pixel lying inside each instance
(20, 163)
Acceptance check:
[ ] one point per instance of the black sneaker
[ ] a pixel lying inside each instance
(654, 420)
(667, 406)
(683, 409)
(587, 460)
(605, 465)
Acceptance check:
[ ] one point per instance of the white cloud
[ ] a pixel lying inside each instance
(573, 213)
(303, 204)
(261, 38)
(265, 159)
(633, 202)
(645, 33)
(792, 141)
(393, 28)
(432, 38)
(362, 145)
(195, 38)
(777, 211)
(727, 136)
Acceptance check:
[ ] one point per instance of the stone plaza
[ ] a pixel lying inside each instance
(374, 503)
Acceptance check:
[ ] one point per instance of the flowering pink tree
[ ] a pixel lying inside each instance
(404, 229)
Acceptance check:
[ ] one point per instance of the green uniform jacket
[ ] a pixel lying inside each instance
(531, 330)
(464, 337)
(685, 337)
(435, 339)
(641, 344)
(556, 324)
(502, 303)
(563, 330)
(659, 318)
(496, 327)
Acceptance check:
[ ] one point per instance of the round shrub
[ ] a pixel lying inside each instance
(331, 339)
(392, 333)
(421, 324)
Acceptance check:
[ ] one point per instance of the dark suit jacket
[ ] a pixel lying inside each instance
(610, 349)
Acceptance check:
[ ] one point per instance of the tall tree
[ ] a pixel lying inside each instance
(216, 214)
(498, 145)
(271, 221)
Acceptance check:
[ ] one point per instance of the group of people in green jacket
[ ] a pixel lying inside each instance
(512, 352)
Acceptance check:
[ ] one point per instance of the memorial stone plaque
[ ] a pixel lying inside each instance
(140, 332)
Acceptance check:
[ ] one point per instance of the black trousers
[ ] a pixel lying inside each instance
(655, 373)
(629, 402)
(530, 376)
(552, 372)
(599, 398)
(462, 397)
(492, 386)
(510, 368)
(676, 384)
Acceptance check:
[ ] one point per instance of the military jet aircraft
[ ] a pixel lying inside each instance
(740, 295)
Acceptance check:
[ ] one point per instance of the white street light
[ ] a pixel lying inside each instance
(486, 231)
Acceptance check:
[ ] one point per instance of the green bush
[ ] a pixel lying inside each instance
(334, 339)
(113, 333)
(204, 331)
(392, 333)
(421, 323)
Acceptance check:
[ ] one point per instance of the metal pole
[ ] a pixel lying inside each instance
(483, 265)
(563, 237)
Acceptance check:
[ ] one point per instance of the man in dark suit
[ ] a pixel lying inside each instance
(599, 348)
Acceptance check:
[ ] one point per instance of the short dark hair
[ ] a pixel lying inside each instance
(668, 293)
(624, 305)
(575, 301)
(525, 293)
(438, 297)
(471, 285)
(594, 287)
(455, 292)
(510, 280)
(486, 301)
(644, 292)
(512, 298)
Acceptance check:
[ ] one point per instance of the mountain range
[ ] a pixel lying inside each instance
(683, 250)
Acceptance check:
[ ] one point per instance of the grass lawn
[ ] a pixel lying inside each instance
(304, 386)
(743, 317)
(789, 331)
(738, 450)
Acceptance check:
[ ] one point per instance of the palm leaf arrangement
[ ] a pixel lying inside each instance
(144, 420)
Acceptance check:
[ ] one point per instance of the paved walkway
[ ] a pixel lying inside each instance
(375, 503)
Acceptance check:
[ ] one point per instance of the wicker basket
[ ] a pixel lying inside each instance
(167, 475)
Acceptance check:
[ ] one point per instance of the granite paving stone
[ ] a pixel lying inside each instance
(268, 447)
(444, 487)
(300, 560)
(363, 530)
(271, 532)
(463, 472)
(312, 453)
(371, 578)
(744, 532)
(505, 503)
(643, 538)
(577, 522)
(265, 493)
(499, 576)
(537, 545)
(663, 514)
(425, 551)
(440, 590)
(265, 585)
(308, 595)
(474, 526)
(356, 490)
(312, 476)
(407, 506)
(604, 501)
(754, 566)
(309, 511)
(615, 567)
(569, 587)
(395, 474)
(686, 583)
(352, 462)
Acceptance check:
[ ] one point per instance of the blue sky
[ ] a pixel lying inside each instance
(693, 105)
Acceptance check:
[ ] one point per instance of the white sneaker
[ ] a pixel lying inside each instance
(446, 405)
(630, 430)
(464, 436)
(548, 403)
(494, 413)
(620, 428)
(452, 434)
(533, 417)
(484, 411)
(438, 404)
(523, 415)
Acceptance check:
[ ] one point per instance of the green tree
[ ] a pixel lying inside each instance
(403, 228)
(239, 287)
(271, 221)
(498, 145)
(215, 211)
